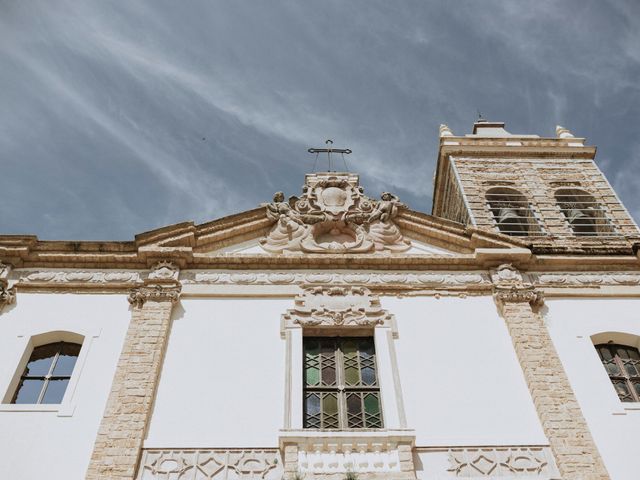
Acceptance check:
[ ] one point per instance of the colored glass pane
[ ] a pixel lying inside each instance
(330, 404)
(313, 404)
(371, 404)
(312, 376)
(368, 376)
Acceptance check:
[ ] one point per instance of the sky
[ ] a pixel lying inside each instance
(120, 117)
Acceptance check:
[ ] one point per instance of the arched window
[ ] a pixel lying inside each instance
(47, 374)
(511, 212)
(582, 212)
(622, 363)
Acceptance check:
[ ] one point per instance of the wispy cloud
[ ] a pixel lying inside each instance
(121, 117)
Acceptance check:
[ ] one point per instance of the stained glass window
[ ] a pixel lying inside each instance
(47, 373)
(623, 366)
(341, 389)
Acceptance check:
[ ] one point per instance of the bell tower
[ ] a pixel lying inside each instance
(549, 191)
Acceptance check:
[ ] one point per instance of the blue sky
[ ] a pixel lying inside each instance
(121, 117)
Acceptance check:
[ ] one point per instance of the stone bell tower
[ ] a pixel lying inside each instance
(549, 191)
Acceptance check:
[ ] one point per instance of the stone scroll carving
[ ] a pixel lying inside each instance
(334, 216)
(341, 306)
(502, 462)
(160, 286)
(241, 464)
(510, 287)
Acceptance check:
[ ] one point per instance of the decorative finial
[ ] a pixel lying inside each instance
(445, 131)
(329, 150)
(562, 132)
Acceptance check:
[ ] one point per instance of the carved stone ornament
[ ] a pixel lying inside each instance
(156, 293)
(334, 216)
(7, 295)
(337, 307)
(241, 464)
(510, 287)
(502, 462)
(164, 271)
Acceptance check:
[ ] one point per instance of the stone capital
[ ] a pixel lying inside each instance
(518, 294)
(155, 293)
(7, 295)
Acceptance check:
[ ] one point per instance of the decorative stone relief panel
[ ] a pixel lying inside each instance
(241, 464)
(503, 462)
(78, 277)
(337, 306)
(425, 279)
(334, 216)
(585, 278)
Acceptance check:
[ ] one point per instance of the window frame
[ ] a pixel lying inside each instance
(340, 387)
(23, 348)
(595, 210)
(623, 374)
(50, 375)
(517, 201)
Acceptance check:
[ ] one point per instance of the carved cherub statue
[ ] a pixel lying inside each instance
(386, 208)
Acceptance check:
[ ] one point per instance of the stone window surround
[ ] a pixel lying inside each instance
(26, 343)
(383, 330)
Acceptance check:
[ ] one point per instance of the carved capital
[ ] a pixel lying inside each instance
(156, 293)
(7, 295)
(518, 294)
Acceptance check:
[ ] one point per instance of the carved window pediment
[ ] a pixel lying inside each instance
(340, 306)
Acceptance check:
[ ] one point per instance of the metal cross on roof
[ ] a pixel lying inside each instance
(329, 150)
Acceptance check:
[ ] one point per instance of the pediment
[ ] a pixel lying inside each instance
(332, 217)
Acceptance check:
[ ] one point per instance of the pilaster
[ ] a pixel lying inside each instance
(117, 449)
(575, 452)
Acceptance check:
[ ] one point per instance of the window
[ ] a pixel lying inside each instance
(47, 374)
(582, 212)
(511, 212)
(622, 363)
(341, 389)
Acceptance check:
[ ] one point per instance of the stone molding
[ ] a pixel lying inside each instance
(346, 307)
(210, 464)
(502, 462)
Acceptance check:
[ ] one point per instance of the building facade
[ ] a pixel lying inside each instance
(335, 336)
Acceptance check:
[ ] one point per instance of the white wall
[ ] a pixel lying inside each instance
(42, 444)
(222, 384)
(614, 425)
(461, 379)
(223, 379)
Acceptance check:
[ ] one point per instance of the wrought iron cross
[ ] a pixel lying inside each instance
(329, 150)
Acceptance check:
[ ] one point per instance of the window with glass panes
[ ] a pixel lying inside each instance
(47, 373)
(623, 366)
(341, 389)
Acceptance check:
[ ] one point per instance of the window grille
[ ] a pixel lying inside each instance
(341, 389)
(47, 373)
(512, 212)
(582, 212)
(623, 366)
